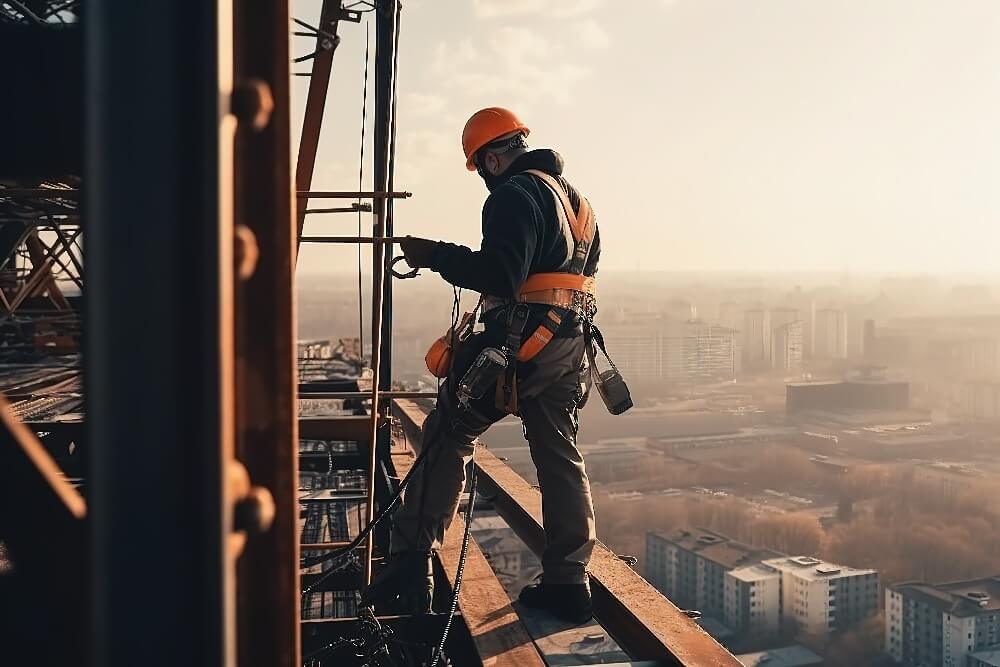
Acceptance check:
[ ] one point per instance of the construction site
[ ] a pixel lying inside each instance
(181, 481)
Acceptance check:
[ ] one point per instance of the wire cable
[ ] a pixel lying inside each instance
(361, 175)
(460, 572)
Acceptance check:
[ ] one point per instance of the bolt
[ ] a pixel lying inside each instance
(254, 513)
(251, 102)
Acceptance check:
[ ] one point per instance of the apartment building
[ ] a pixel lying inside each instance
(952, 624)
(818, 597)
(690, 565)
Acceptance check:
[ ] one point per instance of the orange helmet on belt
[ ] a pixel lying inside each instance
(486, 125)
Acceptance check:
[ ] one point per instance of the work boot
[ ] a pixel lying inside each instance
(567, 602)
(405, 586)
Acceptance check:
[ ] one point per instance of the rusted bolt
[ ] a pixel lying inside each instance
(246, 252)
(254, 513)
(252, 103)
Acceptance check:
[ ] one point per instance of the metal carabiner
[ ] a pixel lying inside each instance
(412, 273)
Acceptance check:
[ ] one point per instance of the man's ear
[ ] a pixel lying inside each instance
(492, 163)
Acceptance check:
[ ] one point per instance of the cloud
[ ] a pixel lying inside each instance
(547, 8)
(592, 35)
(515, 66)
(423, 104)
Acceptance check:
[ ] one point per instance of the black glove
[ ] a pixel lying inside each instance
(418, 252)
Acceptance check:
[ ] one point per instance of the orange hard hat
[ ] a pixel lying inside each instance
(486, 125)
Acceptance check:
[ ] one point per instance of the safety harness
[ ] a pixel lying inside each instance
(566, 290)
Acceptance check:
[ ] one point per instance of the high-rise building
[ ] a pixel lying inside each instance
(818, 597)
(756, 339)
(830, 337)
(952, 625)
(689, 566)
(753, 601)
(660, 349)
(786, 347)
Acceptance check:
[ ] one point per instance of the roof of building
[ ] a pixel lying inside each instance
(814, 569)
(756, 572)
(991, 658)
(716, 547)
(787, 656)
(958, 598)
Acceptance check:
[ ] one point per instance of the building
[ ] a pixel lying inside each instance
(786, 347)
(658, 348)
(753, 600)
(689, 566)
(830, 335)
(756, 339)
(868, 389)
(818, 597)
(786, 656)
(983, 659)
(953, 624)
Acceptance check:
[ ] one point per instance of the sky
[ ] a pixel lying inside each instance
(709, 135)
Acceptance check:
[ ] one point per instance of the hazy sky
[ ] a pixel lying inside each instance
(708, 134)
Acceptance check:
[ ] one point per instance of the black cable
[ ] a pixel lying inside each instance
(460, 572)
(361, 175)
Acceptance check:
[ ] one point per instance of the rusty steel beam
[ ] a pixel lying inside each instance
(376, 195)
(39, 193)
(644, 623)
(348, 427)
(42, 521)
(266, 407)
(501, 640)
(312, 122)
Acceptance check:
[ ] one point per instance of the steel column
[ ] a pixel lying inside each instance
(157, 303)
(267, 440)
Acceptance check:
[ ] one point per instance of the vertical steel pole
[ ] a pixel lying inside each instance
(158, 346)
(385, 20)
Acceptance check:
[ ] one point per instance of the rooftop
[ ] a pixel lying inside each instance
(716, 547)
(787, 656)
(959, 598)
(991, 658)
(757, 572)
(814, 569)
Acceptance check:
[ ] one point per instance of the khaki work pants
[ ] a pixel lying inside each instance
(548, 395)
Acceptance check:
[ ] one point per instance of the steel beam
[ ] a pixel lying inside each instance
(644, 623)
(158, 299)
(501, 640)
(42, 524)
(312, 122)
(267, 441)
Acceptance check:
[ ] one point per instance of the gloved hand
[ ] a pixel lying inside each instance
(418, 251)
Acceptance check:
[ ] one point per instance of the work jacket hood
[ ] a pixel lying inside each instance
(543, 159)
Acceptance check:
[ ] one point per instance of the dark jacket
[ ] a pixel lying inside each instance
(521, 233)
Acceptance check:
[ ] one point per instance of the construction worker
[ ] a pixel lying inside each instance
(538, 256)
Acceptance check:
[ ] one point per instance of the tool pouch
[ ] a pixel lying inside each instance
(610, 383)
(441, 354)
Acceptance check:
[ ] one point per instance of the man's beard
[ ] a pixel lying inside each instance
(489, 179)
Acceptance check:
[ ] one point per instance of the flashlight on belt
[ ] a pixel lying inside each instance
(481, 376)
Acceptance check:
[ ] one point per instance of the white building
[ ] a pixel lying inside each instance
(952, 625)
(786, 347)
(753, 600)
(818, 597)
(662, 349)
(756, 339)
(830, 336)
